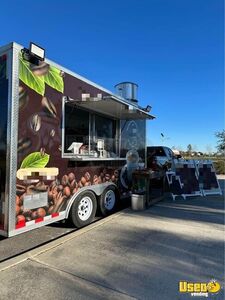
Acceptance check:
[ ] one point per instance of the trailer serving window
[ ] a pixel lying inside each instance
(88, 135)
(76, 127)
(91, 128)
(105, 130)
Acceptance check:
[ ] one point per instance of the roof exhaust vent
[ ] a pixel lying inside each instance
(127, 90)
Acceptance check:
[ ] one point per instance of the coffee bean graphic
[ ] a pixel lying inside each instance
(35, 123)
(49, 107)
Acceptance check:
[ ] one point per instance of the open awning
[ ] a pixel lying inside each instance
(114, 107)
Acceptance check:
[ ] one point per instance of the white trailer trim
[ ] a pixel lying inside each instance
(32, 225)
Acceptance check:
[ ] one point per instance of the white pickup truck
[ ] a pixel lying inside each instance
(162, 156)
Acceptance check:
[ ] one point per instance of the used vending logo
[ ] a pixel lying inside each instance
(199, 288)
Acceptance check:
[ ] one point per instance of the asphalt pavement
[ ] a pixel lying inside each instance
(129, 255)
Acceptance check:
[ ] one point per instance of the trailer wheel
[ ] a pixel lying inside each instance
(83, 209)
(108, 200)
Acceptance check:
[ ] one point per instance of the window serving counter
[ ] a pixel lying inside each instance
(91, 128)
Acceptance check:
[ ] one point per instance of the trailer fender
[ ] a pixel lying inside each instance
(96, 189)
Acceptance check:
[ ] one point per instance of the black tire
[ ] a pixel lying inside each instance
(78, 215)
(108, 200)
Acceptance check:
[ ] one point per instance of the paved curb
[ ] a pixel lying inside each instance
(39, 250)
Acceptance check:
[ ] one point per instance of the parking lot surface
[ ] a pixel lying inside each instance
(130, 255)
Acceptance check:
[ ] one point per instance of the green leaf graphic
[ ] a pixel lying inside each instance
(35, 160)
(36, 83)
(54, 79)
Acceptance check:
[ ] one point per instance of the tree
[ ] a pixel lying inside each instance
(221, 140)
(189, 149)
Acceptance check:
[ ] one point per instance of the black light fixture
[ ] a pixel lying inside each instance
(37, 51)
(148, 108)
(35, 54)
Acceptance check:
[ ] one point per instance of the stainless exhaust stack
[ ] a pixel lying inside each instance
(127, 90)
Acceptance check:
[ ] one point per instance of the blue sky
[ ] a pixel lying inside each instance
(173, 49)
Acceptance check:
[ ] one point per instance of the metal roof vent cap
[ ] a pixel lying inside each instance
(127, 90)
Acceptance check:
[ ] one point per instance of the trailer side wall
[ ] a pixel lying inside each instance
(40, 197)
(4, 83)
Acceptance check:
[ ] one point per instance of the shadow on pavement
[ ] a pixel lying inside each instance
(209, 209)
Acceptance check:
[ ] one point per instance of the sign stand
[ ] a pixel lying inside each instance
(208, 181)
(184, 182)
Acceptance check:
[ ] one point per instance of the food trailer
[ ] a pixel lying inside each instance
(68, 146)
